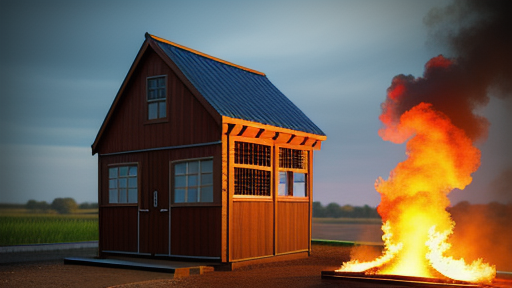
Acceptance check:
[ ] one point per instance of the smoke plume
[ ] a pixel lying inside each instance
(478, 34)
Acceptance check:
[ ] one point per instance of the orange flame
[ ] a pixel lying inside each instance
(414, 199)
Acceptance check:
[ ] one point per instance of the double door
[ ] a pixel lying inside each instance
(154, 207)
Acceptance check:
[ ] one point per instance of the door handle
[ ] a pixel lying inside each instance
(164, 210)
(143, 210)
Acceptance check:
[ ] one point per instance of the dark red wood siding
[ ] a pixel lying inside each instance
(119, 224)
(197, 231)
(188, 122)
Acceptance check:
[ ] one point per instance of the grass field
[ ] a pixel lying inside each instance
(18, 226)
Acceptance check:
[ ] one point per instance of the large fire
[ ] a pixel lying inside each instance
(417, 226)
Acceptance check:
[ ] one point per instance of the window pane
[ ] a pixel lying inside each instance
(192, 167)
(179, 195)
(161, 81)
(132, 196)
(180, 169)
(207, 179)
(133, 171)
(192, 195)
(207, 166)
(299, 189)
(152, 83)
(112, 183)
(112, 196)
(152, 110)
(122, 196)
(132, 182)
(151, 94)
(162, 109)
(180, 181)
(299, 185)
(123, 171)
(122, 183)
(282, 188)
(207, 194)
(112, 172)
(299, 177)
(161, 93)
(192, 180)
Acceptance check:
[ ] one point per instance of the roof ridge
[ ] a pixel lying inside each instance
(204, 54)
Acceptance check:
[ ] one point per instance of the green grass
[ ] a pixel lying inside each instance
(376, 221)
(18, 227)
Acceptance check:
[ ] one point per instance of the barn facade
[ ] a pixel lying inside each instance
(202, 158)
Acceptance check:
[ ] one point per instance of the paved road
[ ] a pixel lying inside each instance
(46, 252)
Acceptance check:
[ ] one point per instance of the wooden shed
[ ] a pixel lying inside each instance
(202, 158)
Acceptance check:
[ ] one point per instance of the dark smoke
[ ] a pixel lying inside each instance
(479, 35)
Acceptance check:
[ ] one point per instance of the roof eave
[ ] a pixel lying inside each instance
(126, 80)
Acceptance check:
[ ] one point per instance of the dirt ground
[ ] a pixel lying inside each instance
(295, 273)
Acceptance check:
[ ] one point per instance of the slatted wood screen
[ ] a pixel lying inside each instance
(252, 173)
(292, 158)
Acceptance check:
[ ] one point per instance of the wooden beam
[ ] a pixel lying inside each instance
(226, 119)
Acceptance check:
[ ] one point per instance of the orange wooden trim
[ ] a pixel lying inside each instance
(305, 170)
(293, 199)
(224, 244)
(297, 140)
(241, 198)
(230, 192)
(255, 167)
(267, 142)
(310, 195)
(206, 55)
(226, 119)
(251, 132)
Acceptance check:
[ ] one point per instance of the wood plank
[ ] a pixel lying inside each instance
(226, 119)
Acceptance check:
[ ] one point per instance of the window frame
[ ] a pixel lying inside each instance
(158, 100)
(270, 168)
(172, 182)
(290, 172)
(108, 188)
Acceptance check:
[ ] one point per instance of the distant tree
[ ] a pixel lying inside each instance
(318, 209)
(87, 205)
(333, 210)
(39, 206)
(64, 205)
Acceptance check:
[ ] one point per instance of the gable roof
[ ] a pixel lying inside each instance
(235, 91)
(225, 89)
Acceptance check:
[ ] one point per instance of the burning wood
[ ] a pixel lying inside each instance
(434, 116)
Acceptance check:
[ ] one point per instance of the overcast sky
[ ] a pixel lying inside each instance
(62, 63)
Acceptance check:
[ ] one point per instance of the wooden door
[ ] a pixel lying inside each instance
(154, 208)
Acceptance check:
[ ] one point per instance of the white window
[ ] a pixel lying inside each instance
(193, 181)
(292, 172)
(122, 184)
(156, 97)
(292, 184)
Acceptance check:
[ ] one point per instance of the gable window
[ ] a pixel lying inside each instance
(292, 173)
(156, 97)
(193, 181)
(122, 184)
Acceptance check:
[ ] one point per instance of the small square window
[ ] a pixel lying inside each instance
(193, 181)
(122, 185)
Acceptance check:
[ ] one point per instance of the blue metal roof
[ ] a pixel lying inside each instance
(238, 93)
